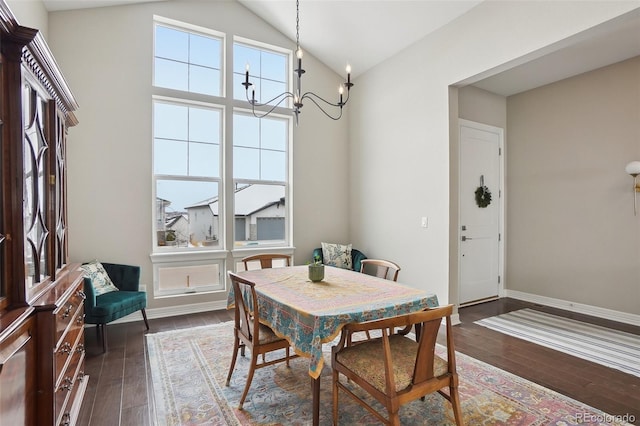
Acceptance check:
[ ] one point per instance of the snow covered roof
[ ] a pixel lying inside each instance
(248, 199)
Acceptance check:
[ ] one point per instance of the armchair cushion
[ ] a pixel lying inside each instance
(113, 305)
(125, 277)
(356, 257)
(338, 255)
(99, 278)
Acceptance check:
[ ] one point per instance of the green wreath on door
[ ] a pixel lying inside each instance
(483, 195)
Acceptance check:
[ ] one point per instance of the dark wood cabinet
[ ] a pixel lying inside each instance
(42, 378)
(17, 363)
(61, 379)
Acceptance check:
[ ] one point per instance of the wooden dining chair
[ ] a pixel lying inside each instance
(396, 369)
(383, 268)
(250, 333)
(266, 260)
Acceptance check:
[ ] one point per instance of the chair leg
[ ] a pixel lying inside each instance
(394, 419)
(455, 404)
(104, 337)
(252, 369)
(336, 377)
(236, 344)
(144, 316)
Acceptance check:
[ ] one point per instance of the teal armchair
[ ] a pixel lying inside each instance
(105, 308)
(356, 257)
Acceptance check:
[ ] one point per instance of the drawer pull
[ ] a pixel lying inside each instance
(68, 384)
(80, 348)
(66, 420)
(80, 319)
(81, 375)
(81, 294)
(67, 311)
(65, 348)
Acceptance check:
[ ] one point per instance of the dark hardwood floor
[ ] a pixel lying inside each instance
(118, 389)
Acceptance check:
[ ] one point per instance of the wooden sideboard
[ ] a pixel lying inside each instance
(42, 380)
(61, 380)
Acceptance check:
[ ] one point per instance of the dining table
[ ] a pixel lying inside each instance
(309, 314)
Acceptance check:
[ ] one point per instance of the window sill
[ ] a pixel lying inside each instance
(187, 256)
(201, 292)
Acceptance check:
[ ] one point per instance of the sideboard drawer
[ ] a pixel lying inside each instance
(67, 311)
(69, 382)
(72, 342)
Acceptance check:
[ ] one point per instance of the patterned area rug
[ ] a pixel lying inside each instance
(605, 346)
(189, 369)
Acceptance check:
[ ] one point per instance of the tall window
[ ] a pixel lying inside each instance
(193, 177)
(260, 179)
(187, 60)
(186, 162)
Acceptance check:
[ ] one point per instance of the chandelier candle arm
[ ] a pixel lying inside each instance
(297, 98)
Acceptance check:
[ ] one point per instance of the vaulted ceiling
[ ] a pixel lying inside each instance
(366, 32)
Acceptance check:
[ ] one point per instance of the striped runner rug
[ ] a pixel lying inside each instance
(611, 348)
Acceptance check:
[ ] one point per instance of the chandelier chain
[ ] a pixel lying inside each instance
(298, 24)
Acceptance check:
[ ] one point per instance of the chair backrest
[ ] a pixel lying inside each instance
(427, 324)
(266, 260)
(383, 268)
(246, 306)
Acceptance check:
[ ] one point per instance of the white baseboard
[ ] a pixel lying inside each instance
(595, 311)
(455, 319)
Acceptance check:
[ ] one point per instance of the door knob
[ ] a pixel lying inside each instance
(466, 238)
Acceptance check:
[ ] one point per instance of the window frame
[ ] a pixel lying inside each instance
(191, 28)
(287, 183)
(219, 180)
(226, 254)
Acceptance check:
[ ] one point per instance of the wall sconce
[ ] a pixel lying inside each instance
(633, 168)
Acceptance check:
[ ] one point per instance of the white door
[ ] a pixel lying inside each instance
(480, 211)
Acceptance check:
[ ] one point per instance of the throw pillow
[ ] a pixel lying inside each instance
(99, 278)
(338, 255)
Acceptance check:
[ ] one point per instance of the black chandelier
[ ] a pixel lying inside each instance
(298, 99)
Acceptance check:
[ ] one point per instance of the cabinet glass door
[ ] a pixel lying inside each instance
(35, 154)
(60, 211)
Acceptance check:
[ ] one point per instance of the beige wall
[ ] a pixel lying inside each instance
(571, 230)
(106, 57)
(482, 107)
(30, 13)
(399, 128)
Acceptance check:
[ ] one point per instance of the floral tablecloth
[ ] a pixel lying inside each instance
(309, 314)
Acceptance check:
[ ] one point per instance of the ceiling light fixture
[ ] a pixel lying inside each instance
(296, 95)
